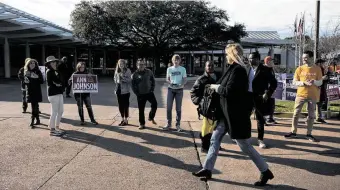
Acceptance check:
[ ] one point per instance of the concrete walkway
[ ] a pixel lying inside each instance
(111, 157)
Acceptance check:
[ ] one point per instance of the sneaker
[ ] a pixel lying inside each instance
(82, 122)
(166, 127)
(68, 96)
(56, 133)
(261, 144)
(153, 121)
(321, 121)
(271, 121)
(179, 129)
(141, 127)
(234, 141)
(311, 138)
(121, 123)
(58, 129)
(290, 135)
(94, 122)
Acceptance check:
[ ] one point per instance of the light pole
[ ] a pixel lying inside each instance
(317, 25)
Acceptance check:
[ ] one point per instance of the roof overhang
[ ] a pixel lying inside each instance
(20, 26)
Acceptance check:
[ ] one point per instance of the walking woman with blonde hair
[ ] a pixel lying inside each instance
(235, 110)
(122, 79)
(33, 79)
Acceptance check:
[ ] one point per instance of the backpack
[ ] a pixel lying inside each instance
(209, 104)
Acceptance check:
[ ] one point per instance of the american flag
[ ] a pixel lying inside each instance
(301, 25)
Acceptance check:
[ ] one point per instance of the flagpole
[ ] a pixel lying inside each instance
(303, 33)
(296, 42)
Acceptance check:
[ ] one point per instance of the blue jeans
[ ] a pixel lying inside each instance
(244, 144)
(176, 94)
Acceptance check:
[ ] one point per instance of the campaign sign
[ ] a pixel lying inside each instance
(333, 94)
(279, 90)
(84, 83)
(290, 94)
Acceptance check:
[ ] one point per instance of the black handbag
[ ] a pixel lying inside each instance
(209, 104)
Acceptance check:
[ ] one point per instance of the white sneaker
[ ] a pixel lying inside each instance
(166, 127)
(178, 127)
(261, 144)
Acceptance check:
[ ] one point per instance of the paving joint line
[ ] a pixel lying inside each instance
(99, 135)
(197, 153)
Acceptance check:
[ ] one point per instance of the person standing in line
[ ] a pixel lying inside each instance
(308, 78)
(143, 85)
(82, 98)
(65, 71)
(122, 78)
(197, 93)
(269, 63)
(55, 95)
(33, 79)
(176, 76)
(264, 85)
(21, 76)
(236, 104)
(323, 91)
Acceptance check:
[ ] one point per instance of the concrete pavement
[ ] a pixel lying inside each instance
(111, 157)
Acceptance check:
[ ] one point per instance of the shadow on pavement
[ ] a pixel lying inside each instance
(254, 187)
(317, 167)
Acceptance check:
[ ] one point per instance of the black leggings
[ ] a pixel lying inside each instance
(35, 109)
(124, 103)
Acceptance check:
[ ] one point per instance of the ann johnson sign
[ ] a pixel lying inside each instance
(84, 83)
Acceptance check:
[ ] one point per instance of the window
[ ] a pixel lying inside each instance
(277, 59)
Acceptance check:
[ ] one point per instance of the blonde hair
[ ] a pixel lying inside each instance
(28, 62)
(118, 69)
(234, 53)
(174, 57)
(79, 65)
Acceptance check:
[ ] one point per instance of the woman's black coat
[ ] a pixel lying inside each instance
(33, 86)
(236, 102)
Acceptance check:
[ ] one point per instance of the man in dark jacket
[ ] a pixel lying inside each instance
(196, 93)
(264, 84)
(323, 91)
(65, 73)
(21, 76)
(143, 85)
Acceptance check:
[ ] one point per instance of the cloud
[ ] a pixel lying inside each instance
(278, 15)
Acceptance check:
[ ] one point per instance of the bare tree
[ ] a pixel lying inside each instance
(330, 41)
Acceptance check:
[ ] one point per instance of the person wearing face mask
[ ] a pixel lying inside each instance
(55, 96)
(197, 93)
(122, 79)
(33, 79)
(308, 79)
(264, 84)
(143, 85)
(323, 90)
(82, 98)
(269, 63)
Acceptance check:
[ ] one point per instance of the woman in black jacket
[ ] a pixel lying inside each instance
(235, 108)
(55, 95)
(82, 98)
(33, 79)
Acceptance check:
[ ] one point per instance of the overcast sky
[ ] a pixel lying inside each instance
(278, 15)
